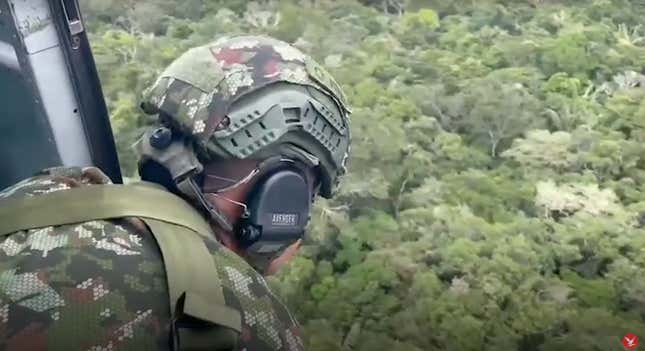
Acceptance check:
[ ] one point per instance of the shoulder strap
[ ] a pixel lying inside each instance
(201, 318)
(93, 202)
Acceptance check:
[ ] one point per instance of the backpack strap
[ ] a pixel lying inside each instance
(104, 201)
(201, 318)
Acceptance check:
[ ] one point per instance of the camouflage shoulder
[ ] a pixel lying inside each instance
(55, 179)
(98, 285)
(267, 324)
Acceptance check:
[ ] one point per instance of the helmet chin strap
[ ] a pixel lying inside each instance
(189, 188)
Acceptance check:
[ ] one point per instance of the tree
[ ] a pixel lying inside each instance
(491, 113)
(542, 149)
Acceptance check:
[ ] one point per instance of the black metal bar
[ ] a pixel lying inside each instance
(67, 19)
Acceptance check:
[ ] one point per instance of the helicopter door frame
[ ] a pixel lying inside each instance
(52, 52)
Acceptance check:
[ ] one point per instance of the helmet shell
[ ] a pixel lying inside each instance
(199, 89)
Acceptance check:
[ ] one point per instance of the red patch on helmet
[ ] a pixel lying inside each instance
(271, 69)
(228, 56)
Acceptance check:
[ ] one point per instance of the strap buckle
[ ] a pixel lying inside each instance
(198, 326)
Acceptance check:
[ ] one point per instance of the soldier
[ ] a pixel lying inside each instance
(250, 131)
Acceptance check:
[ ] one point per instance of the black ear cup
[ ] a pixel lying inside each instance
(278, 209)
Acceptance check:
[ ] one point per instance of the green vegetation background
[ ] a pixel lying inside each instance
(496, 197)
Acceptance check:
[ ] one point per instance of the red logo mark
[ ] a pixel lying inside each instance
(630, 341)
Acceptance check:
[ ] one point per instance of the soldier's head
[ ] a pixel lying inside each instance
(250, 131)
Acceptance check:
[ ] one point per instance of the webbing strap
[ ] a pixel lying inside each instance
(189, 264)
(93, 202)
(193, 282)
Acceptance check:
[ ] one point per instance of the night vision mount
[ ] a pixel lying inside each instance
(171, 162)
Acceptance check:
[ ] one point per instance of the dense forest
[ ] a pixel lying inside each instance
(496, 195)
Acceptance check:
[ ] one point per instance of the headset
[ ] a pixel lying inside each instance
(277, 209)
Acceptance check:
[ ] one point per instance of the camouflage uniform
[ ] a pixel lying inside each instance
(101, 285)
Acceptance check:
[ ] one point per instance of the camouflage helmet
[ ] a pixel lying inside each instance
(254, 97)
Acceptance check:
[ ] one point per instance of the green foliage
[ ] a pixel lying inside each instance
(564, 53)
(542, 149)
(416, 28)
(495, 199)
(561, 83)
(490, 111)
(292, 24)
